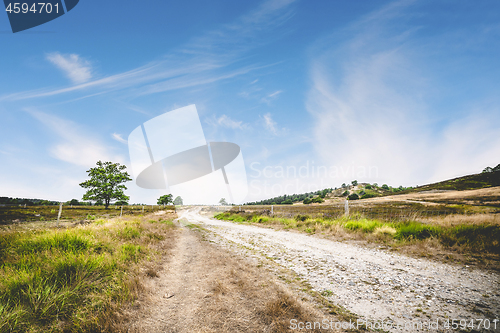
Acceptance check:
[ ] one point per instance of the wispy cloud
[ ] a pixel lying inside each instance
(75, 146)
(272, 126)
(228, 122)
(267, 99)
(206, 59)
(119, 138)
(370, 100)
(78, 70)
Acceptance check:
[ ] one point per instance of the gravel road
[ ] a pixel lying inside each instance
(376, 285)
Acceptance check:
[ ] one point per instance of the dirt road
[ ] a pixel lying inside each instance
(374, 284)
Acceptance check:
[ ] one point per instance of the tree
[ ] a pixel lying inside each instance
(165, 199)
(121, 203)
(178, 201)
(223, 202)
(73, 202)
(307, 201)
(385, 187)
(354, 182)
(106, 183)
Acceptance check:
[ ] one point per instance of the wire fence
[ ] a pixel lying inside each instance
(339, 210)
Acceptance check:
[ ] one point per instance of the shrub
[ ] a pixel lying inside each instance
(369, 187)
(416, 230)
(307, 201)
(302, 218)
(368, 195)
(345, 193)
(317, 200)
(353, 196)
(385, 187)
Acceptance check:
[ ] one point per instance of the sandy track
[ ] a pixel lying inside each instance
(372, 283)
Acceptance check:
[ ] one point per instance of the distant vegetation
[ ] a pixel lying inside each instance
(488, 178)
(290, 199)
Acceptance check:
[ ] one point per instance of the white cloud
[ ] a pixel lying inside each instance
(202, 61)
(272, 126)
(76, 69)
(75, 146)
(271, 96)
(369, 104)
(119, 138)
(228, 122)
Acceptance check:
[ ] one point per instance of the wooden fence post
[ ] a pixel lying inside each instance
(59, 214)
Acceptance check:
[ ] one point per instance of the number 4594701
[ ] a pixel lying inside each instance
(37, 8)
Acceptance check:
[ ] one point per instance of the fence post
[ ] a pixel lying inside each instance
(346, 208)
(59, 214)
(121, 212)
(272, 210)
(143, 209)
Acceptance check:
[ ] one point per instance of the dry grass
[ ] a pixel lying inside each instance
(205, 288)
(76, 279)
(458, 219)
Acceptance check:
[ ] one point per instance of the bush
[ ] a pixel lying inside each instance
(301, 218)
(317, 200)
(385, 187)
(416, 230)
(345, 193)
(369, 187)
(353, 196)
(307, 201)
(368, 195)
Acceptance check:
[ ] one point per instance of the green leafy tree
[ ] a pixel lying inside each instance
(385, 187)
(73, 202)
(307, 201)
(223, 202)
(165, 199)
(106, 183)
(178, 201)
(354, 182)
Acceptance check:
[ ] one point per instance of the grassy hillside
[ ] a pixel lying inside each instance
(471, 182)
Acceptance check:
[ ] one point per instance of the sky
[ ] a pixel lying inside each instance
(315, 93)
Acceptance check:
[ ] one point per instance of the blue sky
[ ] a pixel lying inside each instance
(397, 92)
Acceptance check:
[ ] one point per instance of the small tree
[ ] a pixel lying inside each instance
(178, 201)
(385, 187)
(165, 199)
(223, 202)
(106, 183)
(354, 182)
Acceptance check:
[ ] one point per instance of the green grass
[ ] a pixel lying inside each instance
(69, 280)
(473, 238)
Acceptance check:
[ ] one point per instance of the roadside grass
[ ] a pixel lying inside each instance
(75, 279)
(475, 238)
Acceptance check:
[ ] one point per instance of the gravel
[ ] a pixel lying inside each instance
(372, 283)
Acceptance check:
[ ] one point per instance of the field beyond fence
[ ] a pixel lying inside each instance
(21, 213)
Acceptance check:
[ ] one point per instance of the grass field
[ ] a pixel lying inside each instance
(9, 214)
(467, 238)
(75, 279)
